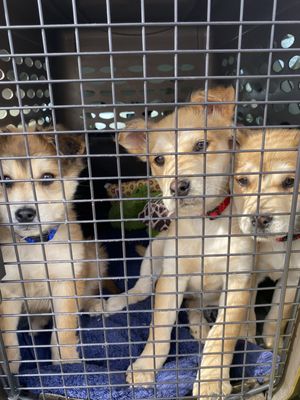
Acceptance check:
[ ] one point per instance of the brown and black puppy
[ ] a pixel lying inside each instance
(44, 268)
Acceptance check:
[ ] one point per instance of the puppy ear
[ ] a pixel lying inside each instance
(3, 133)
(135, 141)
(9, 129)
(241, 134)
(68, 144)
(71, 144)
(217, 94)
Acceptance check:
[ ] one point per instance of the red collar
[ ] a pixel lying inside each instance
(213, 214)
(284, 238)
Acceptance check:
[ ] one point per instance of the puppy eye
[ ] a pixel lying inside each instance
(47, 179)
(200, 146)
(7, 181)
(288, 183)
(159, 160)
(243, 181)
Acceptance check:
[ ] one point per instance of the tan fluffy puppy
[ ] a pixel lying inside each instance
(267, 216)
(29, 207)
(200, 233)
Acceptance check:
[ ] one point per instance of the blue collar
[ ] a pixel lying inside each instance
(45, 237)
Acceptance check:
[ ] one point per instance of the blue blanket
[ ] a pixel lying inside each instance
(104, 346)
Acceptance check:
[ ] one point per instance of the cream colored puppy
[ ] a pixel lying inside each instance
(267, 216)
(34, 259)
(197, 261)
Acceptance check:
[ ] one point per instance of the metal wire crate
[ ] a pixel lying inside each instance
(95, 66)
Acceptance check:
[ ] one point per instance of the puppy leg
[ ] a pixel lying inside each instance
(248, 326)
(168, 296)
(64, 338)
(199, 327)
(213, 376)
(95, 270)
(93, 305)
(150, 270)
(8, 326)
(248, 329)
(270, 324)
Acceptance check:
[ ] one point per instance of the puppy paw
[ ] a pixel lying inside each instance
(270, 342)
(212, 390)
(64, 355)
(96, 306)
(269, 332)
(137, 376)
(115, 304)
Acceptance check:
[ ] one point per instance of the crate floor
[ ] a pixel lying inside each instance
(107, 352)
(104, 373)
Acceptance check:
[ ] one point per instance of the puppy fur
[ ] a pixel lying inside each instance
(48, 286)
(268, 217)
(203, 277)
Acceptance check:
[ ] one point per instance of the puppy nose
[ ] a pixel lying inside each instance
(180, 187)
(262, 221)
(25, 214)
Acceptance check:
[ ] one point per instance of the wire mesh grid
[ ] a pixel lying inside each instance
(149, 187)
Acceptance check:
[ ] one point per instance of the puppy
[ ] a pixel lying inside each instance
(267, 216)
(43, 254)
(194, 184)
